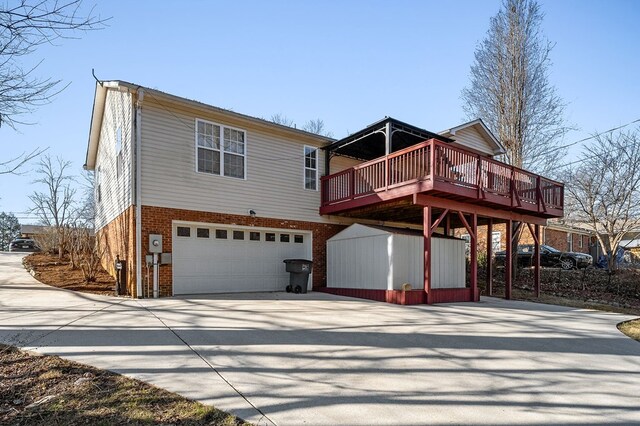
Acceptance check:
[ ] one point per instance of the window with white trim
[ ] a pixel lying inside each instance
(220, 150)
(311, 168)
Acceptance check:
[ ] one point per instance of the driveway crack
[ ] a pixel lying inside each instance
(214, 369)
(68, 324)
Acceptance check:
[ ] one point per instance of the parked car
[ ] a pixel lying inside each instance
(549, 257)
(23, 244)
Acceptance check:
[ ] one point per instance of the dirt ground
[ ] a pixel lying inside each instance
(58, 273)
(47, 390)
(585, 288)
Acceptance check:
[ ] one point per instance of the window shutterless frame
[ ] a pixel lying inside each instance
(310, 167)
(221, 148)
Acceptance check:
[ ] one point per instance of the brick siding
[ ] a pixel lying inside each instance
(117, 238)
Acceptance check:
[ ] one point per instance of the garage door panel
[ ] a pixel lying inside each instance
(216, 265)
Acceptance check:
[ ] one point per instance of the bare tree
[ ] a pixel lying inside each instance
(317, 126)
(510, 89)
(54, 206)
(90, 253)
(282, 120)
(24, 26)
(13, 165)
(603, 189)
(86, 211)
(9, 229)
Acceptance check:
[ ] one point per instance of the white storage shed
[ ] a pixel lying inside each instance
(385, 258)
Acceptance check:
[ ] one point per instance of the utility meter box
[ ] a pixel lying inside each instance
(165, 258)
(155, 243)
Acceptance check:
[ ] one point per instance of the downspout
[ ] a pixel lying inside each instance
(139, 257)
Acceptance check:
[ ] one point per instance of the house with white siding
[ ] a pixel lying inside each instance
(192, 198)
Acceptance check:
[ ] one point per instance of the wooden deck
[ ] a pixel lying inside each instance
(438, 169)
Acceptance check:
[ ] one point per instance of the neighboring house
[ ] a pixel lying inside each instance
(32, 231)
(631, 244)
(223, 198)
(557, 235)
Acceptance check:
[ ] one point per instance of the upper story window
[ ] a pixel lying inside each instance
(220, 150)
(310, 168)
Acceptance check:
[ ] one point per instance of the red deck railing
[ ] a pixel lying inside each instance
(450, 170)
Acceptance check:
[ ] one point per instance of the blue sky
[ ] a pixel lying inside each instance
(347, 62)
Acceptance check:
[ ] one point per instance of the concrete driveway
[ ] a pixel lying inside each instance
(318, 359)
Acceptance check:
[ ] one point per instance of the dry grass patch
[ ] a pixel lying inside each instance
(631, 328)
(47, 390)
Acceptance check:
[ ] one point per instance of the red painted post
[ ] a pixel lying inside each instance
(536, 268)
(386, 172)
(507, 261)
(490, 257)
(432, 159)
(352, 184)
(426, 212)
(539, 200)
(474, 258)
(478, 174)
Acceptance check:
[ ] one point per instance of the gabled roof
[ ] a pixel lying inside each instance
(481, 128)
(101, 95)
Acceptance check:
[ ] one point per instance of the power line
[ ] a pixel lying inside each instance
(589, 138)
(589, 157)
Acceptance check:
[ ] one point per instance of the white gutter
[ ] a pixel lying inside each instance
(139, 257)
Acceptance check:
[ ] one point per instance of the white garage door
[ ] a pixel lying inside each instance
(221, 259)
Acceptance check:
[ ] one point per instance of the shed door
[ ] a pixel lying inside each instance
(223, 259)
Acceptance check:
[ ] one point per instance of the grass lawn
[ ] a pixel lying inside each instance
(47, 390)
(631, 328)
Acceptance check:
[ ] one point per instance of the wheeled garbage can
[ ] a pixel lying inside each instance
(299, 271)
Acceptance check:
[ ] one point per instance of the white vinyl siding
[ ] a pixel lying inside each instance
(470, 138)
(113, 166)
(271, 186)
(310, 168)
(339, 163)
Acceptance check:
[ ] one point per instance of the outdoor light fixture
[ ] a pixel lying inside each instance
(252, 213)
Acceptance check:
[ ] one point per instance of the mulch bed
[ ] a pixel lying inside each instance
(57, 272)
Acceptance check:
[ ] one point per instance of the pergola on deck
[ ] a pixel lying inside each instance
(410, 175)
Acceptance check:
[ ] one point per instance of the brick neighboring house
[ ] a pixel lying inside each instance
(557, 235)
(221, 198)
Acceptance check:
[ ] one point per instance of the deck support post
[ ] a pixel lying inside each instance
(508, 261)
(489, 289)
(474, 258)
(426, 212)
(536, 267)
